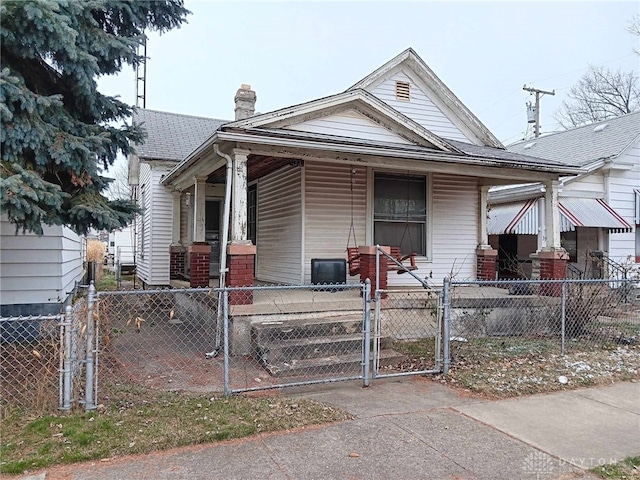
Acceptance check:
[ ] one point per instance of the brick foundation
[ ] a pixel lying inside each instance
(486, 264)
(553, 266)
(199, 264)
(177, 256)
(240, 261)
(368, 268)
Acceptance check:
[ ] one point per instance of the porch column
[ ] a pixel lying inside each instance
(199, 250)
(176, 249)
(240, 252)
(542, 239)
(553, 258)
(368, 267)
(486, 257)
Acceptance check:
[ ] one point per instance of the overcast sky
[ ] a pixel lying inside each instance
(299, 51)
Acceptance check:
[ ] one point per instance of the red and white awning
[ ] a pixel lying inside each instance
(521, 218)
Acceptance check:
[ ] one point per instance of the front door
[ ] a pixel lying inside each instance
(212, 234)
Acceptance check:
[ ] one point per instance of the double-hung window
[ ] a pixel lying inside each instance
(400, 212)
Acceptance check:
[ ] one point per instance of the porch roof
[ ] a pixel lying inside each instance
(521, 218)
(257, 138)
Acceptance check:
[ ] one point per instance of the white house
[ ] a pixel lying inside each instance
(599, 209)
(396, 159)
(38, 273)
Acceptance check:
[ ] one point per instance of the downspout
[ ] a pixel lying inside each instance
(226, 215)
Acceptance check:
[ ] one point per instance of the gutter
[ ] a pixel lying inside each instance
(226, 214)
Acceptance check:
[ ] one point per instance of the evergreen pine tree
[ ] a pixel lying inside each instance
(59, 133)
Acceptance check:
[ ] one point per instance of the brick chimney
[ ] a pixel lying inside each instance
(245, 102)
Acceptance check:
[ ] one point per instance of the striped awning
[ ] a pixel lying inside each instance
(521, 218)
(590, 212)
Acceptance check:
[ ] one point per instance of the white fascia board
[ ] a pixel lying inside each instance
(288, 116)
(248, 140)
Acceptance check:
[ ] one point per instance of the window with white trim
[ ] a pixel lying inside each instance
(400, 212)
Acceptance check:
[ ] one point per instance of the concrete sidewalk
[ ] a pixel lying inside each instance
(414, 428)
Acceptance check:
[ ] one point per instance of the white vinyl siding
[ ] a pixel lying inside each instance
(419, 108)
(279, 247)
(143, 264)
(328, 212)
(621, 197)
(156, 225)
(455, 227)
(349, 124)
(589, 186)
(39, 269)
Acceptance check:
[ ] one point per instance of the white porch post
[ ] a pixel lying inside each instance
(175, 230)
(239, 201)
(486, 257)
(199, 206)
(552, 216)
(542, 225)
(483, 236)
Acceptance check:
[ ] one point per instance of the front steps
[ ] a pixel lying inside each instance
(316, 345)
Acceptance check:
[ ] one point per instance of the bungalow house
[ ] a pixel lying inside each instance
(38, 273)
(599, 209)
(395, 160)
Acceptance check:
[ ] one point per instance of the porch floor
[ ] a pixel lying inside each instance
(279, 301)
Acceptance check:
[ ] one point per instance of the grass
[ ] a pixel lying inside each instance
(627, 469)
(142, 421)
(514, 366)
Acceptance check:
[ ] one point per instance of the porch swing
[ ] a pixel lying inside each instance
(353, 254)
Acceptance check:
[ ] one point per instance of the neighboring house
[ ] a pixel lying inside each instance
(38, 273)
(122, 247)
(599, 209)
(396, 159)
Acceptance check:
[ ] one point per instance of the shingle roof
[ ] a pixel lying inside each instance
(172, 136)
(584, 145)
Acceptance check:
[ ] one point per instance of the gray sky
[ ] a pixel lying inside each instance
(299, 51)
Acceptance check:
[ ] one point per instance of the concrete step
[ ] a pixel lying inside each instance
(279, 351)
(277, 331)
(345, 363)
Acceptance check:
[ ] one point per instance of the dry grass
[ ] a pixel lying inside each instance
(95, 251)
(142, 421)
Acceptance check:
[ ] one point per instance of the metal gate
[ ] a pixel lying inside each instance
(408, 327)
(407, 332)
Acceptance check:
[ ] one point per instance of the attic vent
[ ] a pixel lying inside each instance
(600, 128)
(529, 145)
(403, 90)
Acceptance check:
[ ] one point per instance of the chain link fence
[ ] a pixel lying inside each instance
(407, 332)
(160, 339)
(294, 335)
(555, 316)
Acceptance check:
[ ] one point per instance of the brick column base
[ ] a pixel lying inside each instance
(199, 258)
(553, 266)
(368, 268)
(240, 260)
(486, 264)
(177, 255)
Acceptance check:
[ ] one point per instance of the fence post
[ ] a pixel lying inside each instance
(446, 340)
(225, 340)
(563, 317)
(366, 364)
(66, 371)
(89, 402)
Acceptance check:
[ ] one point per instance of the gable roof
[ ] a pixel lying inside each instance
(583, 146)
(413, 62)
(362, 101)
(172, 136)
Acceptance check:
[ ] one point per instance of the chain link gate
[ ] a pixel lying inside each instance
(409, 330)
(293, 335)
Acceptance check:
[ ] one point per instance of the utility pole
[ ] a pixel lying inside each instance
(539, 93)
(141, 76)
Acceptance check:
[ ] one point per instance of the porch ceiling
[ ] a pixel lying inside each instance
(257, 166)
